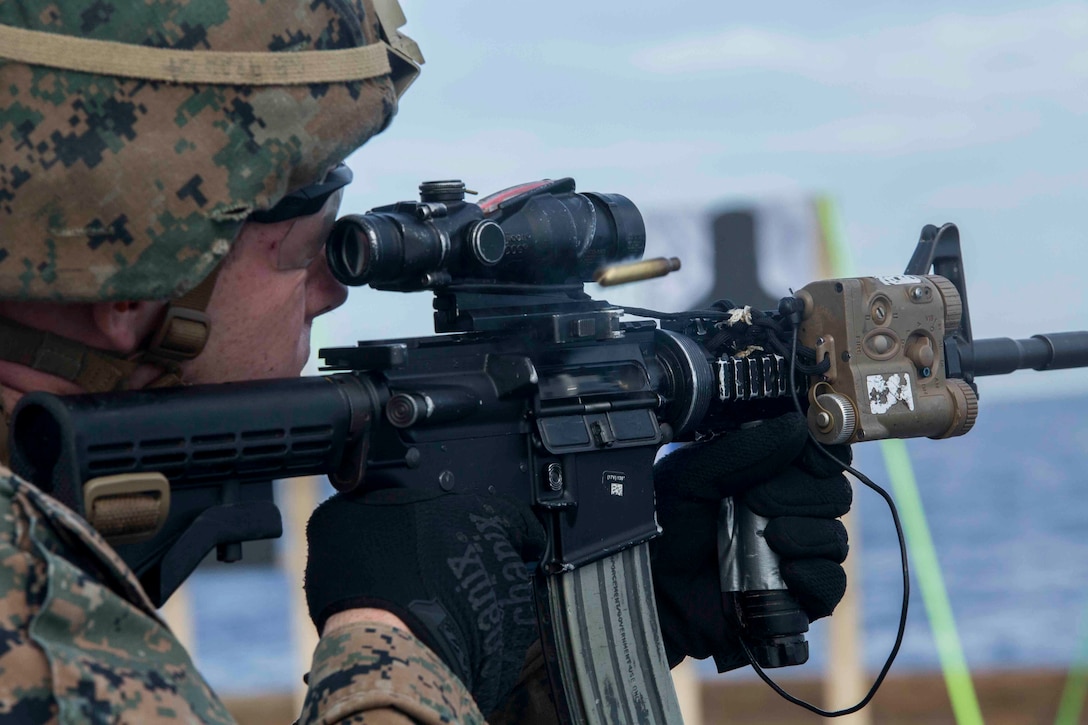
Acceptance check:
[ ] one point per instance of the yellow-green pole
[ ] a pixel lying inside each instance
(923, 555)
(1076, 683)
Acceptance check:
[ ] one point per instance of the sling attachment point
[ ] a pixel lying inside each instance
(127, 508)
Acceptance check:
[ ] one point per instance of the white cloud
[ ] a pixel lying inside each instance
(985, 194)
(742, 49)
(665, 170)
(503, 150)
(1038, 51)
(888, 134)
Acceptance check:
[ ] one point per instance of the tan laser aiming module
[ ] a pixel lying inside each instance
(884, 337)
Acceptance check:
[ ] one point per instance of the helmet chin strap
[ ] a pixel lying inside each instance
(182, 333)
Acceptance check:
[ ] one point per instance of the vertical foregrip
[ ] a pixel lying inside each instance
(773, 624)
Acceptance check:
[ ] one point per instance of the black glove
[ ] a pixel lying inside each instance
(782, 477)
(451, 566)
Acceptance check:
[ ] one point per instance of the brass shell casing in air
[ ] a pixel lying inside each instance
(636, 271)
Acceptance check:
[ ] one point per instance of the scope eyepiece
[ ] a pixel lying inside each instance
(354, 245)
(542, 233)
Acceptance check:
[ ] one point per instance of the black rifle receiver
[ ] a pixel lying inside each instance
(545, 395)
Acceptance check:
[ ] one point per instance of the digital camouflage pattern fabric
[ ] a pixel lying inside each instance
(351, 676)
(80, 643)
(116, 188)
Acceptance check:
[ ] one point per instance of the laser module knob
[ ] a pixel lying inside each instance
(965, 410)
(833, 418)
(953, 303)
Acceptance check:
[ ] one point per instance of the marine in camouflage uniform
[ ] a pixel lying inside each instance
(127, 177)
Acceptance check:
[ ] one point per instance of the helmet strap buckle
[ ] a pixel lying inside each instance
(184, 330)
(181, 335)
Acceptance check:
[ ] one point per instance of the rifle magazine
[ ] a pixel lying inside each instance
(608, 655)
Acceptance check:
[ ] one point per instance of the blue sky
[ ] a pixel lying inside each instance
(904, 114)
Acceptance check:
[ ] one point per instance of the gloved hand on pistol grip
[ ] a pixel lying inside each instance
(782, 476)
(453, 567)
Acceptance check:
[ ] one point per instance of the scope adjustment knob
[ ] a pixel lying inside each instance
(445, 191)
(833, 418)
(487, 241)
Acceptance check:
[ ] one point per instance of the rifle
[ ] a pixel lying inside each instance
(534, 390)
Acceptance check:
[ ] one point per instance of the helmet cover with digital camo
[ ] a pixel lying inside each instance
(135, 138)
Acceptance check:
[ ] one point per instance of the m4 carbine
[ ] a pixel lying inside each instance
(538, 392)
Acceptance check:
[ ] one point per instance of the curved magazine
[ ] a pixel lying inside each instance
(609, 654)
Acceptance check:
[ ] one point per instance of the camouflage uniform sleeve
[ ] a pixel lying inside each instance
(373, 673)
(79, 642)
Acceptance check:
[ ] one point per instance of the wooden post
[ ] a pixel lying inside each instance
(300, 499)
(689, 692)
(845, 681)
(178, 614)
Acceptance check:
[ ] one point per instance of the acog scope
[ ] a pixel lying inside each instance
(538, 233)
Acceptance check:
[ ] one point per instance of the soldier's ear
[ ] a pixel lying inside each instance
(125, 325)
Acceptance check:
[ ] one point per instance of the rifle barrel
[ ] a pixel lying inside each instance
(1001, 355)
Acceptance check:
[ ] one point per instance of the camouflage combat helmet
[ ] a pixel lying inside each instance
(136, 137)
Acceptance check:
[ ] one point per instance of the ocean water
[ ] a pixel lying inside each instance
(1008, 514)
(1007, 508)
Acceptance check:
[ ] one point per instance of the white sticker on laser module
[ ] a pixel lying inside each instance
(900, 279)
(886, 391)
